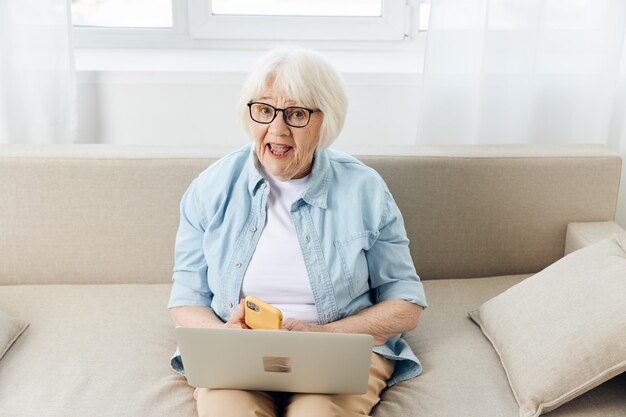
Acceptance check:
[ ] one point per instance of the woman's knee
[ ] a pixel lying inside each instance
(235, 403)
(313, 405)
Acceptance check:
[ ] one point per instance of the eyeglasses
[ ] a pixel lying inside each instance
(294, 116)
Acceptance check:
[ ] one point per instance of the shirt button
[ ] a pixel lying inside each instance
(318, 279)
(264, 186)
(308, 238)
(237, 264)
(252, 229)
(230, 305)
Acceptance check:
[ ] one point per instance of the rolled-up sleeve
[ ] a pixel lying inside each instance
(190, 286)
(391, 269)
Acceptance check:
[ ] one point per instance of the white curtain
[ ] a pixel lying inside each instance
(521, 71)
(617, 134)
(37, 77)
(526, 71)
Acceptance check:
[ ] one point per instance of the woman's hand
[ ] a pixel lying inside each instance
(294, 325)
(382, 321)
(237, 318)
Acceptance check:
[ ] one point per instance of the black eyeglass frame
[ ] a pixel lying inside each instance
(276, 110)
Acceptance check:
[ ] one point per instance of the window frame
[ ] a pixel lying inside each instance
(391, 25)
(181, 35)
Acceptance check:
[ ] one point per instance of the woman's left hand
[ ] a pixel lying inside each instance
(294, 325)
(382, 321)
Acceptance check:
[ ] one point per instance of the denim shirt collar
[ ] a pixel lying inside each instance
(316, 193)
(254, 176)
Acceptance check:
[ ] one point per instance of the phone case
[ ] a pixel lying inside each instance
(261, 315)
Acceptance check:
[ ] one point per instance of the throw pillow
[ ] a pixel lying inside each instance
(10, 330)
(562, 331)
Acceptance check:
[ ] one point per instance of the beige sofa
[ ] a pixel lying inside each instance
(86, 249)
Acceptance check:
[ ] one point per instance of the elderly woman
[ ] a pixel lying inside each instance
(310, 230)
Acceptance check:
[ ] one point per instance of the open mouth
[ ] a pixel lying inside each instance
(279, 151)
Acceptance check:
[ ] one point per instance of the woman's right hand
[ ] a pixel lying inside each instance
(237, 318)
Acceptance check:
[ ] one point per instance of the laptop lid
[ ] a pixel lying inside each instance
(273, 360)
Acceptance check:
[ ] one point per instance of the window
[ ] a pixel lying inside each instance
(424, 15)
(122, 13)
(196, 22)
(328, 8)
(298, 19)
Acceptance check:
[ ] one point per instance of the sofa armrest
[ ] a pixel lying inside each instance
(580, 235)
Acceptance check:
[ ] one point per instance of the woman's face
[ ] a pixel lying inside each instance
(286, 152)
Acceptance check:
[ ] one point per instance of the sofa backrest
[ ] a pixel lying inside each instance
(105, 214)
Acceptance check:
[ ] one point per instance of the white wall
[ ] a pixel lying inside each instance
(185, 108)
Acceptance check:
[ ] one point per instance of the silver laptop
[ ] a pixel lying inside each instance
(273, 360)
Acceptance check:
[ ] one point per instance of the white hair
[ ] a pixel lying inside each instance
(306, 77)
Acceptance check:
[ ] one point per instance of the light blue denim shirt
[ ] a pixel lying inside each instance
(350, 231)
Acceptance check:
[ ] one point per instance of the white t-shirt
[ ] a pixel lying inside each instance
(276, 273)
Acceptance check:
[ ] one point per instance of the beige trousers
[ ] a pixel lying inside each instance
(238, 403)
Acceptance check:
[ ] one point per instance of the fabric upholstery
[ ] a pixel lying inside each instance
(103, 350)
(561, 332)
(10, 330)
(469, 211)
(74, 220)
(92, 350)
(473, 217)
(462, 373)
(580, 235)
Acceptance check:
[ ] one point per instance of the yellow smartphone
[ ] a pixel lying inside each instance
(260, 315)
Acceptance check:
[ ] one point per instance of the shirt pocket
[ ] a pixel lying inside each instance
(352, 253)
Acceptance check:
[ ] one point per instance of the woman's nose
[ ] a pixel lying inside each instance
(278, 127)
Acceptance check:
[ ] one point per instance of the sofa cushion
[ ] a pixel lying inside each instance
(469, 211)
(10, 330)
(92, 350)
(462, 373)
(104, 350)
(561, 332)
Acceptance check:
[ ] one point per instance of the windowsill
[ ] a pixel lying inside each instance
(234, 61)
